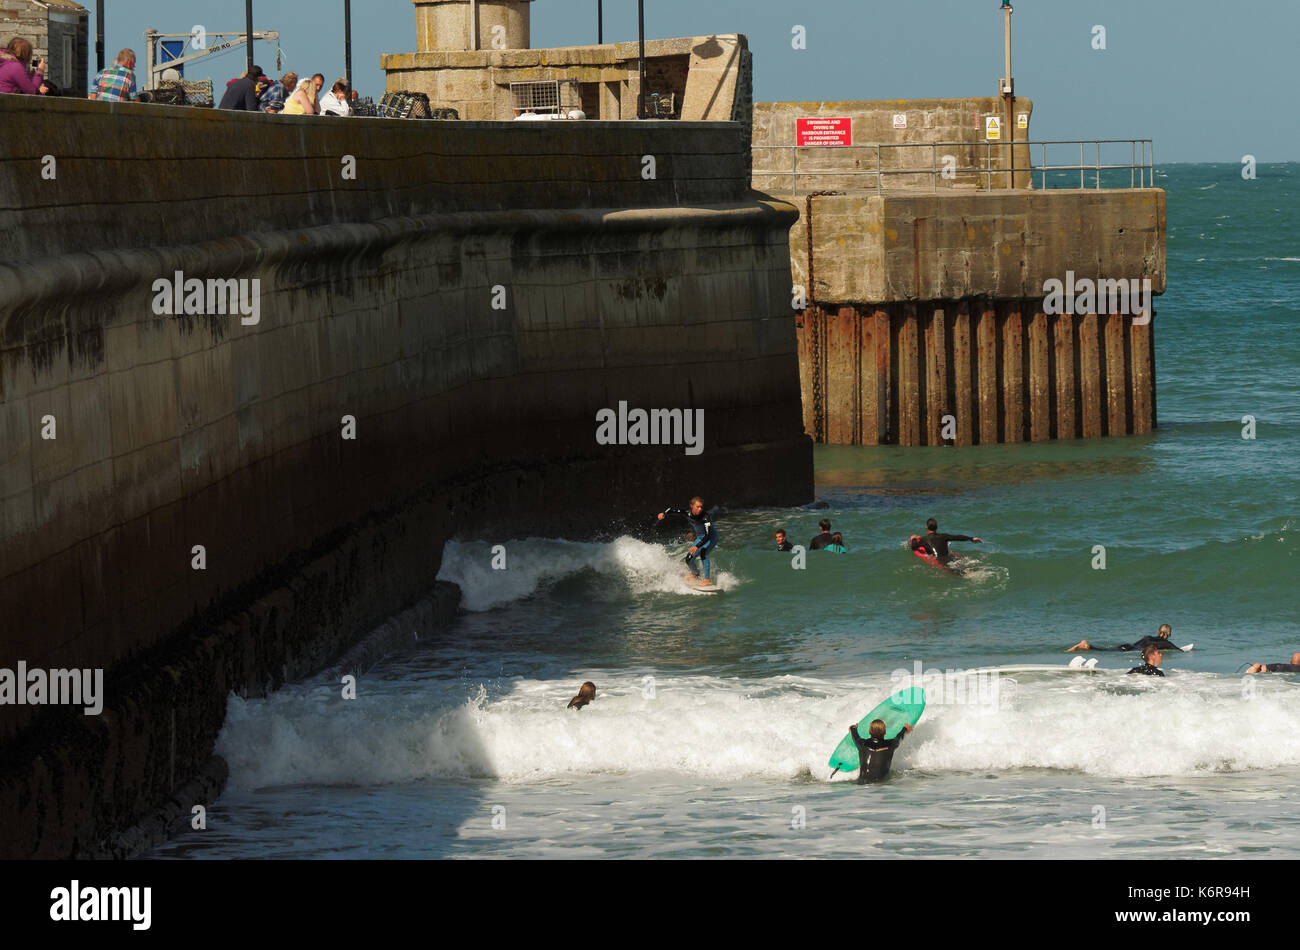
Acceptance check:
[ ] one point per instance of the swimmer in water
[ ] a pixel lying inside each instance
(586, 693)
(876, 754)
(1161, 640)
(1292, 667)
(782, 542)
(1151, 659)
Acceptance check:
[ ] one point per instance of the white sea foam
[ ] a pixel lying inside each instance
(533, 563)
(779, 729)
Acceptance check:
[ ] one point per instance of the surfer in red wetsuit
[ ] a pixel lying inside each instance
(876, 754)
(1292, 667)
(938, 543)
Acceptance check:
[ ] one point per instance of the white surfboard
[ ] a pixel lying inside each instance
(693, 586)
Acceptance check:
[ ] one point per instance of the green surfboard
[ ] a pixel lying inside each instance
(904, 707)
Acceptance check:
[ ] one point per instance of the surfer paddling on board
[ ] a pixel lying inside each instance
(1161, 640)
(1292, 667)
(938, 543)
(1151, 658)
(704, 541)
(876, 753)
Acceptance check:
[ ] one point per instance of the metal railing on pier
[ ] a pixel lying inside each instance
(992, 171)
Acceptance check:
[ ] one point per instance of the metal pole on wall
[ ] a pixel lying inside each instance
(1008, 93)
(640, 102)
(99, 35)
(347, 42)
(600, 22)
(248, 26)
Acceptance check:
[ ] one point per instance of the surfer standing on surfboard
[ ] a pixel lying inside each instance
(876, 754)
(938, 543)
(705, 540)
(1161, 640)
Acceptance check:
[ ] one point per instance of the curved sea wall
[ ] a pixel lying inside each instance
(255, 370)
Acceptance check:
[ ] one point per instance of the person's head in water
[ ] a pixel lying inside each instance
(931, 525)
(877, 729)
(586, 693)
(837, 538)
(697, 505)
(825, 525)
(1164, 631)
(1151, 654)
(780, 536)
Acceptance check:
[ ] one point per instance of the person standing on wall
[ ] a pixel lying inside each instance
(116, 83)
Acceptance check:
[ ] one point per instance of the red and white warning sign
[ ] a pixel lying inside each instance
(823, 131)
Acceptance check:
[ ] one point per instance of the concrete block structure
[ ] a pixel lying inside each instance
(927, 318)
(459, 65)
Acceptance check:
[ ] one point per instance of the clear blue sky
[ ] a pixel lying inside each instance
(1209, 80)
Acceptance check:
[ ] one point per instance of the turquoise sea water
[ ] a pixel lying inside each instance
(715, 715)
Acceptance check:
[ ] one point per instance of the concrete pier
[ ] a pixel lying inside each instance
(928, 318)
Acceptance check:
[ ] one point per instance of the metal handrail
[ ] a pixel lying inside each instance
(1141, 171)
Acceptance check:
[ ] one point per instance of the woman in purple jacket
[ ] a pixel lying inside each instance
(14, 61)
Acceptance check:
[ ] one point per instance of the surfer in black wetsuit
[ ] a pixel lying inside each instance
(876, 753)
(1151, 658)
(823, 539)
(705, 540)
(782, 542)
(1292, 667)
(938, 543)
(1161, 640)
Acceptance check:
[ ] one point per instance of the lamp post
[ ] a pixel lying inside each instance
(600, 22)
(347, 43)
(99, 34)
(640, 103)
(248, 27)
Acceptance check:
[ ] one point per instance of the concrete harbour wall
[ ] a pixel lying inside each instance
(376, 302)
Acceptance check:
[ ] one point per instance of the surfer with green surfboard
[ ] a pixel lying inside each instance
(876, 753)
(886, 725)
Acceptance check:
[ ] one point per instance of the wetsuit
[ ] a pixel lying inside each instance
(819, 542)
(938, 545)
(1160, 643)
(706, 539)
(876, 755)
(1281, 668)
(785, 546)
(1146, 669)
